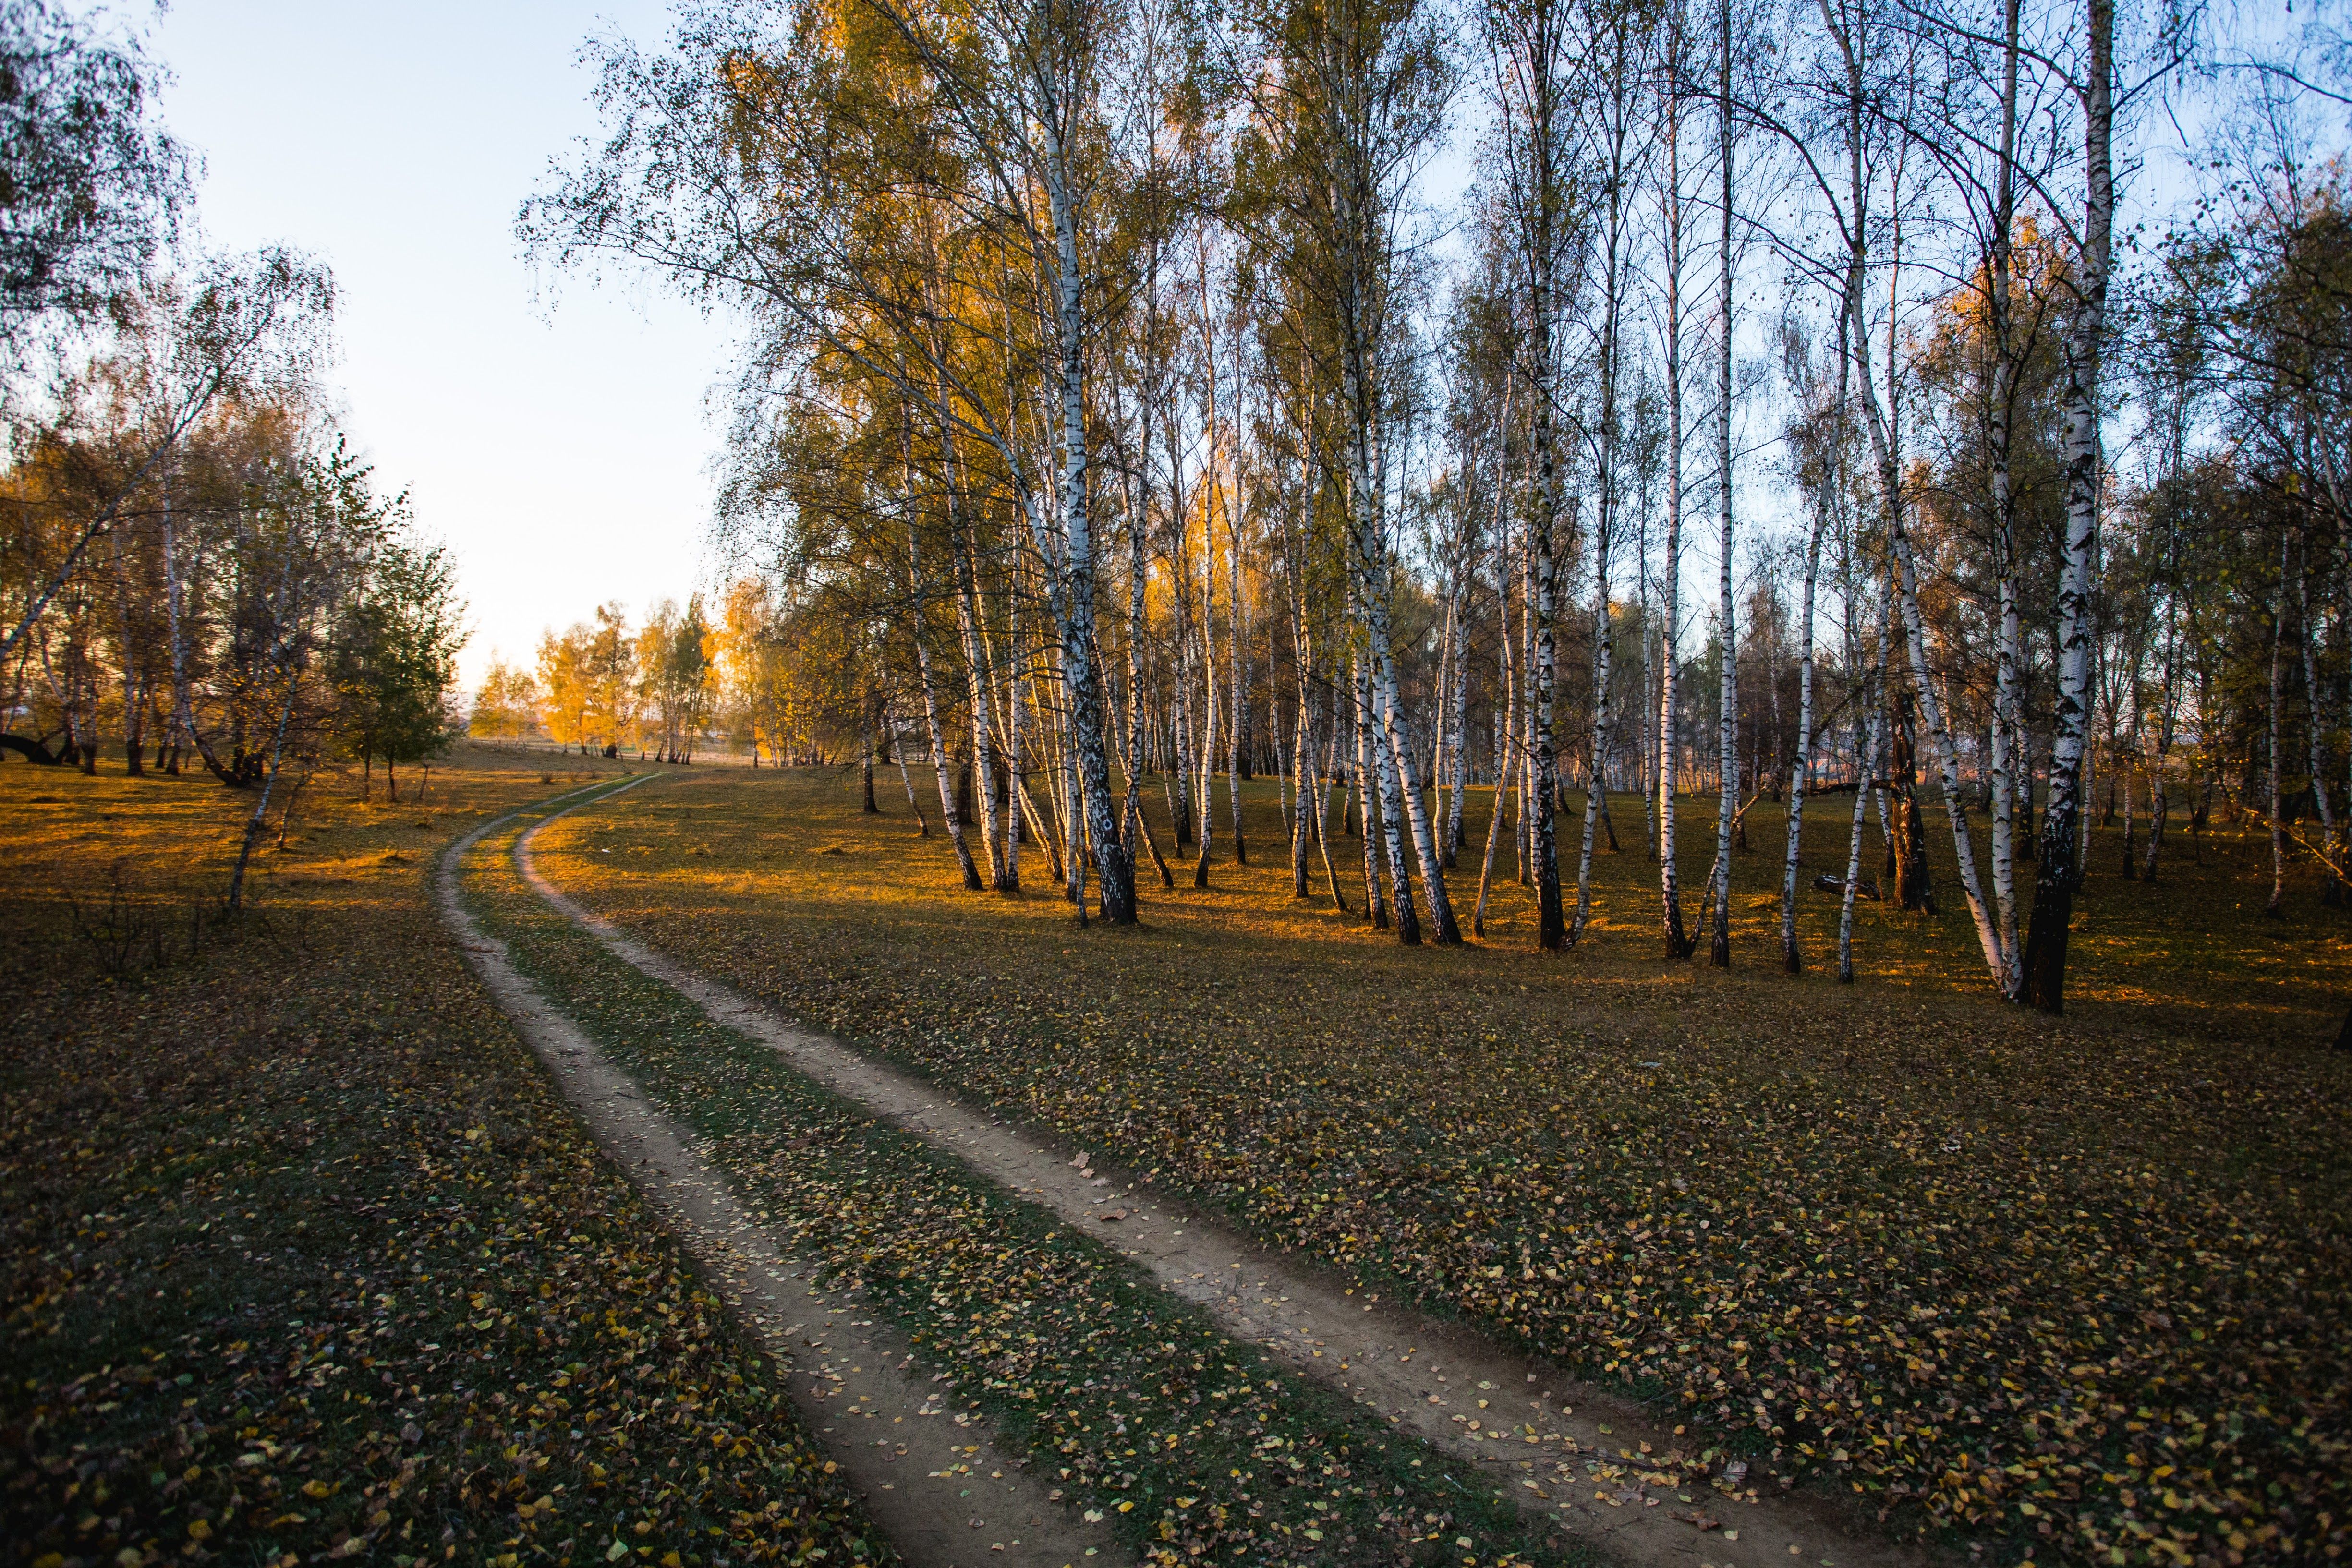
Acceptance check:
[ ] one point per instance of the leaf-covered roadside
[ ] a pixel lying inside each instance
(308, 1261)
(1188, 1444)
(2080, 1292)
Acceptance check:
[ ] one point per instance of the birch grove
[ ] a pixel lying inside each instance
(1119, 413)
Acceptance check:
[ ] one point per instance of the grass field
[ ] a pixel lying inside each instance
(306, 1258)
(2069, 1288)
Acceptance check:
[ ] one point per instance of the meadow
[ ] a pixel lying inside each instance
(306, 1258)
(2068, 1288)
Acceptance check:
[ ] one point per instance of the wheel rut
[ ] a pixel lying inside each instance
(935, 1480)
(1606, 1470)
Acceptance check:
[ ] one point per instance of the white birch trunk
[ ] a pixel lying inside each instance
(2059, 872)
(906, 779)
(1867, 761)
(2000, 418)
(1073, 584)
(1375, 901)
(1670, 898)
(2278, 904)
(1727, 716)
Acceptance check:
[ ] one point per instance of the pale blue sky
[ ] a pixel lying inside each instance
(562, 454)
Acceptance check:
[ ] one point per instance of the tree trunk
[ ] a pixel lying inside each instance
(1375, 901)
(260, 819)
(2059, 871)
(1301, 768)
(1541, 785)
(1596, 780)
(949, 788)
(1719, 947)
(1869, 761)
(1237, 755)
(1670, 898)
(1393, 805)
(1914, 888)
(2278, 904)
(982, 793)
(1131, 818)
(1457, 713)
(1368, 567)
(1416, 812)
(1886, 457)
(1323, 845)
(1999, 417)
(898, 751)
(1072, 591)
(1494, 834)
(1801, 773)
(1236, 688)
(1302, 751)
(2314, 729)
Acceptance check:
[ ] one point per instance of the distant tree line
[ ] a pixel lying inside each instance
(756, 675)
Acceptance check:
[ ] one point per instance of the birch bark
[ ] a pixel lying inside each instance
(1072, 591)
(2314, 730)
(1543, 764)
(1670, 899)
(2060, 872)
(1367, 808)
(1868, 761)
(2278, 904)
(2000, 421)
(1727, 716)
(1802, 774)
(985, 761)
(898, 754)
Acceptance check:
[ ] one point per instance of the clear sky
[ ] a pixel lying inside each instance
(557, 439)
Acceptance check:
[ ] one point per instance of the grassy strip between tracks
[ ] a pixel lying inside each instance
(1191, 1445)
